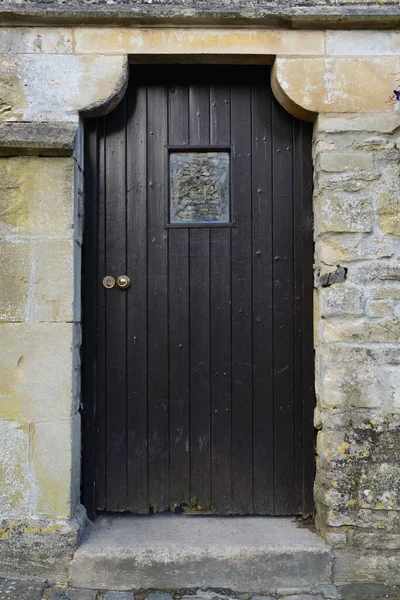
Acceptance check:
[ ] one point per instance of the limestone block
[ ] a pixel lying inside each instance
(336, 249)
(346, 378)
(379, 487)
(36, 40)
(336, 84)
(361, 330)
(339, 248)
(340, 300)
(53, 285)
(197, 40)
(15, 267)
(379, 308)
(55, 87)
(389, 213)
(56, 469)
(18, 492)
(36, 371)
(36, 196)
(382, 292)
(345, 161)
(344, 212)
(362, 43)
(380, 123)
(378, 271)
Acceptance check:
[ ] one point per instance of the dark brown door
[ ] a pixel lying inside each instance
(198, 379)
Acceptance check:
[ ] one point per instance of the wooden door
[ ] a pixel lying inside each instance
(198, 379)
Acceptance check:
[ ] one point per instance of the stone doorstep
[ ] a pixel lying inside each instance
(253, 555)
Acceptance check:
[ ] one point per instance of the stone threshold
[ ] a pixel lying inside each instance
(169, 552)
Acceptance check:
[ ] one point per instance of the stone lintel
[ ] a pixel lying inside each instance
(286, 13)
(33, 139)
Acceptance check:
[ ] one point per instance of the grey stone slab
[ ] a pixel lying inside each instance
(159, 596)
(50, 139)
(303, 597)
(368, 591)
(21, 589)
(297, 12)
(167, 552)
(72, 594)
(329, 592)
(119, 596)
(262, 598)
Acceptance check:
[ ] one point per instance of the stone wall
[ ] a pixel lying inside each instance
(357, 227)
(49, 76)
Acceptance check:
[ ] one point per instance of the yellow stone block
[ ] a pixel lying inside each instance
(337, 85)
(53, 285)
(15, 266)
(56, 470)
(190, 40)
(36, 196)
(36, 371)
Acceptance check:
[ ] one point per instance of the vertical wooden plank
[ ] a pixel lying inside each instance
(101, 414)
(298, 310)
(283, 311)
(220, 320)
(179, 326)
(307, 288)
(137, 459)
(242, 392)
(89, 314)
(116, 310)
(158, 369)
(263, 391)
(199, 110)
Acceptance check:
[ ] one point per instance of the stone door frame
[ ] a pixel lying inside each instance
(317, 75)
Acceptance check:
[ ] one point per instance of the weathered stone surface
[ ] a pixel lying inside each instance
(380, 123)
(345, 212)
(73, 594)
(332, 162)
(39, 548)
(159, 596)
(367, 591)
(21, 589)
(119, 596)
(358, 43)
(53, 285)
(389, 213)
(56, 472)
(31, 40)
(340, 300)
(168, 552)
(57, 87)
(363, 331)
(303, 597)
(36, 197)
(18, 491)
(36, 371)
(378, 308)
(15, 270)
(193, 41)
(319, 12)
(34, 138)
(340, 384)
(337, 84)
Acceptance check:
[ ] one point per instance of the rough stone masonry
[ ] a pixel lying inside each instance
(334, 62)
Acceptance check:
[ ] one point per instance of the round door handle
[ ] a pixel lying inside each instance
(123, 282)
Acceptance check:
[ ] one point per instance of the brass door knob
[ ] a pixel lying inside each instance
(123, 282)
